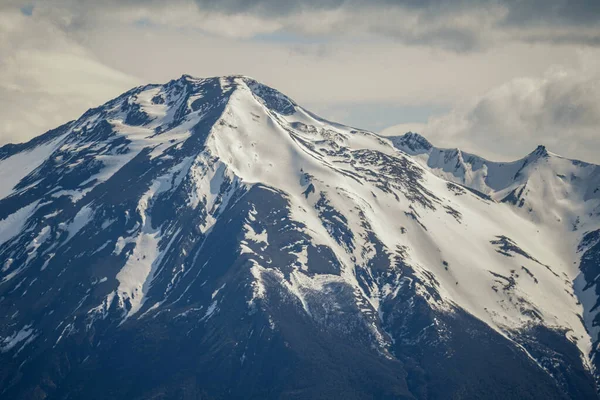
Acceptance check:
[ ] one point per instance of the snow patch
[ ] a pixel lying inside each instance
(25, 334)
(12, 225)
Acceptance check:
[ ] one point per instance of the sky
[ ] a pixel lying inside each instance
(492, 77)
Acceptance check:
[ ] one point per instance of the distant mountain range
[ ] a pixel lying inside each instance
(212, 239)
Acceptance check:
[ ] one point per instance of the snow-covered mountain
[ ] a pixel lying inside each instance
(210, 238)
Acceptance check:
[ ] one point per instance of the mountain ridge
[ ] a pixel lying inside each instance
(414, 143)
(472, 170)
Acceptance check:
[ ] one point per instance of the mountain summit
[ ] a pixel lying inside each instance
(210, 238)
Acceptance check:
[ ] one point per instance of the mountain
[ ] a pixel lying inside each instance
(211, 239)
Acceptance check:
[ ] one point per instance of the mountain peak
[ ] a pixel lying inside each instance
(412, 143)
(540, 152)
(189, 77)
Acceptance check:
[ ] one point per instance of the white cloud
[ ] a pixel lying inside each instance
(47, 79)
(333, 72)
(401, 129)
(560, 110)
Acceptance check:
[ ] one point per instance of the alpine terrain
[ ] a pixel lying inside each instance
(212, 239)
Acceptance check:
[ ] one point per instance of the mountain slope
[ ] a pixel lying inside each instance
(210, 238)
(559, 195)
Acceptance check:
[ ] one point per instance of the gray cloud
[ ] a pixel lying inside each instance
(518, 12)
(458, 25)
(443, 23)
(566, 12)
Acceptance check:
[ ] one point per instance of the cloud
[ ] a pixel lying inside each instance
(457, 25)
(339, 74)
(340, 58)
(47, 79)
(461, 25)
(560, 110)
(401, 129)
(563, 12)
(518, 11)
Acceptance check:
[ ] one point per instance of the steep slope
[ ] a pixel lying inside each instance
(210, 238)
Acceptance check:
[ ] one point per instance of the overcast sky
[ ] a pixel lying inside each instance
(494, 77)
